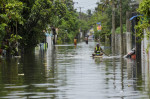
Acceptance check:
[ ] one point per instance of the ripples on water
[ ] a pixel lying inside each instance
(70, 72)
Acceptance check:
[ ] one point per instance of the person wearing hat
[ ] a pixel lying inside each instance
(98, 50)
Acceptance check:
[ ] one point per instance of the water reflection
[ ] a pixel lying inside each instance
(68, 72)
(9, 70)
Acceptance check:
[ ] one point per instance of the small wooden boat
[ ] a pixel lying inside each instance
(97, 56)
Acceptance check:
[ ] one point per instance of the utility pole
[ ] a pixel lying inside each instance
(128, 31)
(80, 12)
(113, 28)
(121, 29)
(80, 17)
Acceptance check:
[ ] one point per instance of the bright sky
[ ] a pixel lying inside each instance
(85, 4)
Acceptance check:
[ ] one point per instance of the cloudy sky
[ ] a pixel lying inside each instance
(85, 4)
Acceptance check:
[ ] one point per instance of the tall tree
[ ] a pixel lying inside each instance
(10, 16)
(36, 14)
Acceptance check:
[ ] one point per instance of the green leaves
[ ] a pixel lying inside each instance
(144, 20)
(144, 7)
(68, 26)
(4, 18)
(13, 10)
(2, 30)
(28, 18)
(14, 38)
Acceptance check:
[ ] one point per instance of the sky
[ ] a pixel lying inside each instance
(85, 4)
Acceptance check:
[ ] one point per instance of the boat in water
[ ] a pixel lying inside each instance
(97, 55)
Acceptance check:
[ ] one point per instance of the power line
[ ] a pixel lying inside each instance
(87, 5)
(90, 5)
(85, 2)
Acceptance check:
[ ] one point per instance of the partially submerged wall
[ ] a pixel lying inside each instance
(145, 53)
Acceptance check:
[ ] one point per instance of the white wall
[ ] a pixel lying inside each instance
(145, 56)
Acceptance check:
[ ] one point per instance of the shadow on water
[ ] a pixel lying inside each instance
(9, 70)
(34, 71)
(28, 76)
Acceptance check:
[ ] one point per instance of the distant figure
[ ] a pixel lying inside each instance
(86, 39)
(75, 41)
(131, 54)
(54, 34)
(98, 50)
(41, 46)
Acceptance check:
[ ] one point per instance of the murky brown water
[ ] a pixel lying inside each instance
(70, 73)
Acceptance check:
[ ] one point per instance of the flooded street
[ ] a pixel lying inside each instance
(69, 72)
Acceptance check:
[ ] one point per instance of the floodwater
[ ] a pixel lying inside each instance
(69, 72)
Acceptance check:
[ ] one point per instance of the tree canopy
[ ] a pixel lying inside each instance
(29, 19)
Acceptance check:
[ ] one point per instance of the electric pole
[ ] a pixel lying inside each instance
(80, 12)
(80, 18)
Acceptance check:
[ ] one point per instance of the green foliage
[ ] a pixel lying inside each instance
(13, 11)
(10, 14)
(59, 10)
(62, 36)
(118, 29)
(29, 18)
(14, 38)
(68, 26)
(106, 26)
(144, 20)
(103, 14)
(84, 26)
(2, 30)
(144, 7)
(12, 47)
(37, 14)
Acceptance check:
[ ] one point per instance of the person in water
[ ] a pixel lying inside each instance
(75, 41)
(131, 54)
(86, 39)
(98, 50)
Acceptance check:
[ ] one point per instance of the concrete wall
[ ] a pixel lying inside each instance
(118, 43)
(128, 41)
(49, 41)
(145, 54)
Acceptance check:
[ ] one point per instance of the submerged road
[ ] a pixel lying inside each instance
(69, 72)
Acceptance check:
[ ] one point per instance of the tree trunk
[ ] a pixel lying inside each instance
(121, 29)
(113, 28)
(128, 32)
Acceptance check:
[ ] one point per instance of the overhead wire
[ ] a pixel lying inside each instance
(85, 7)
(84, 1)
(87, 2)
(89, 7)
